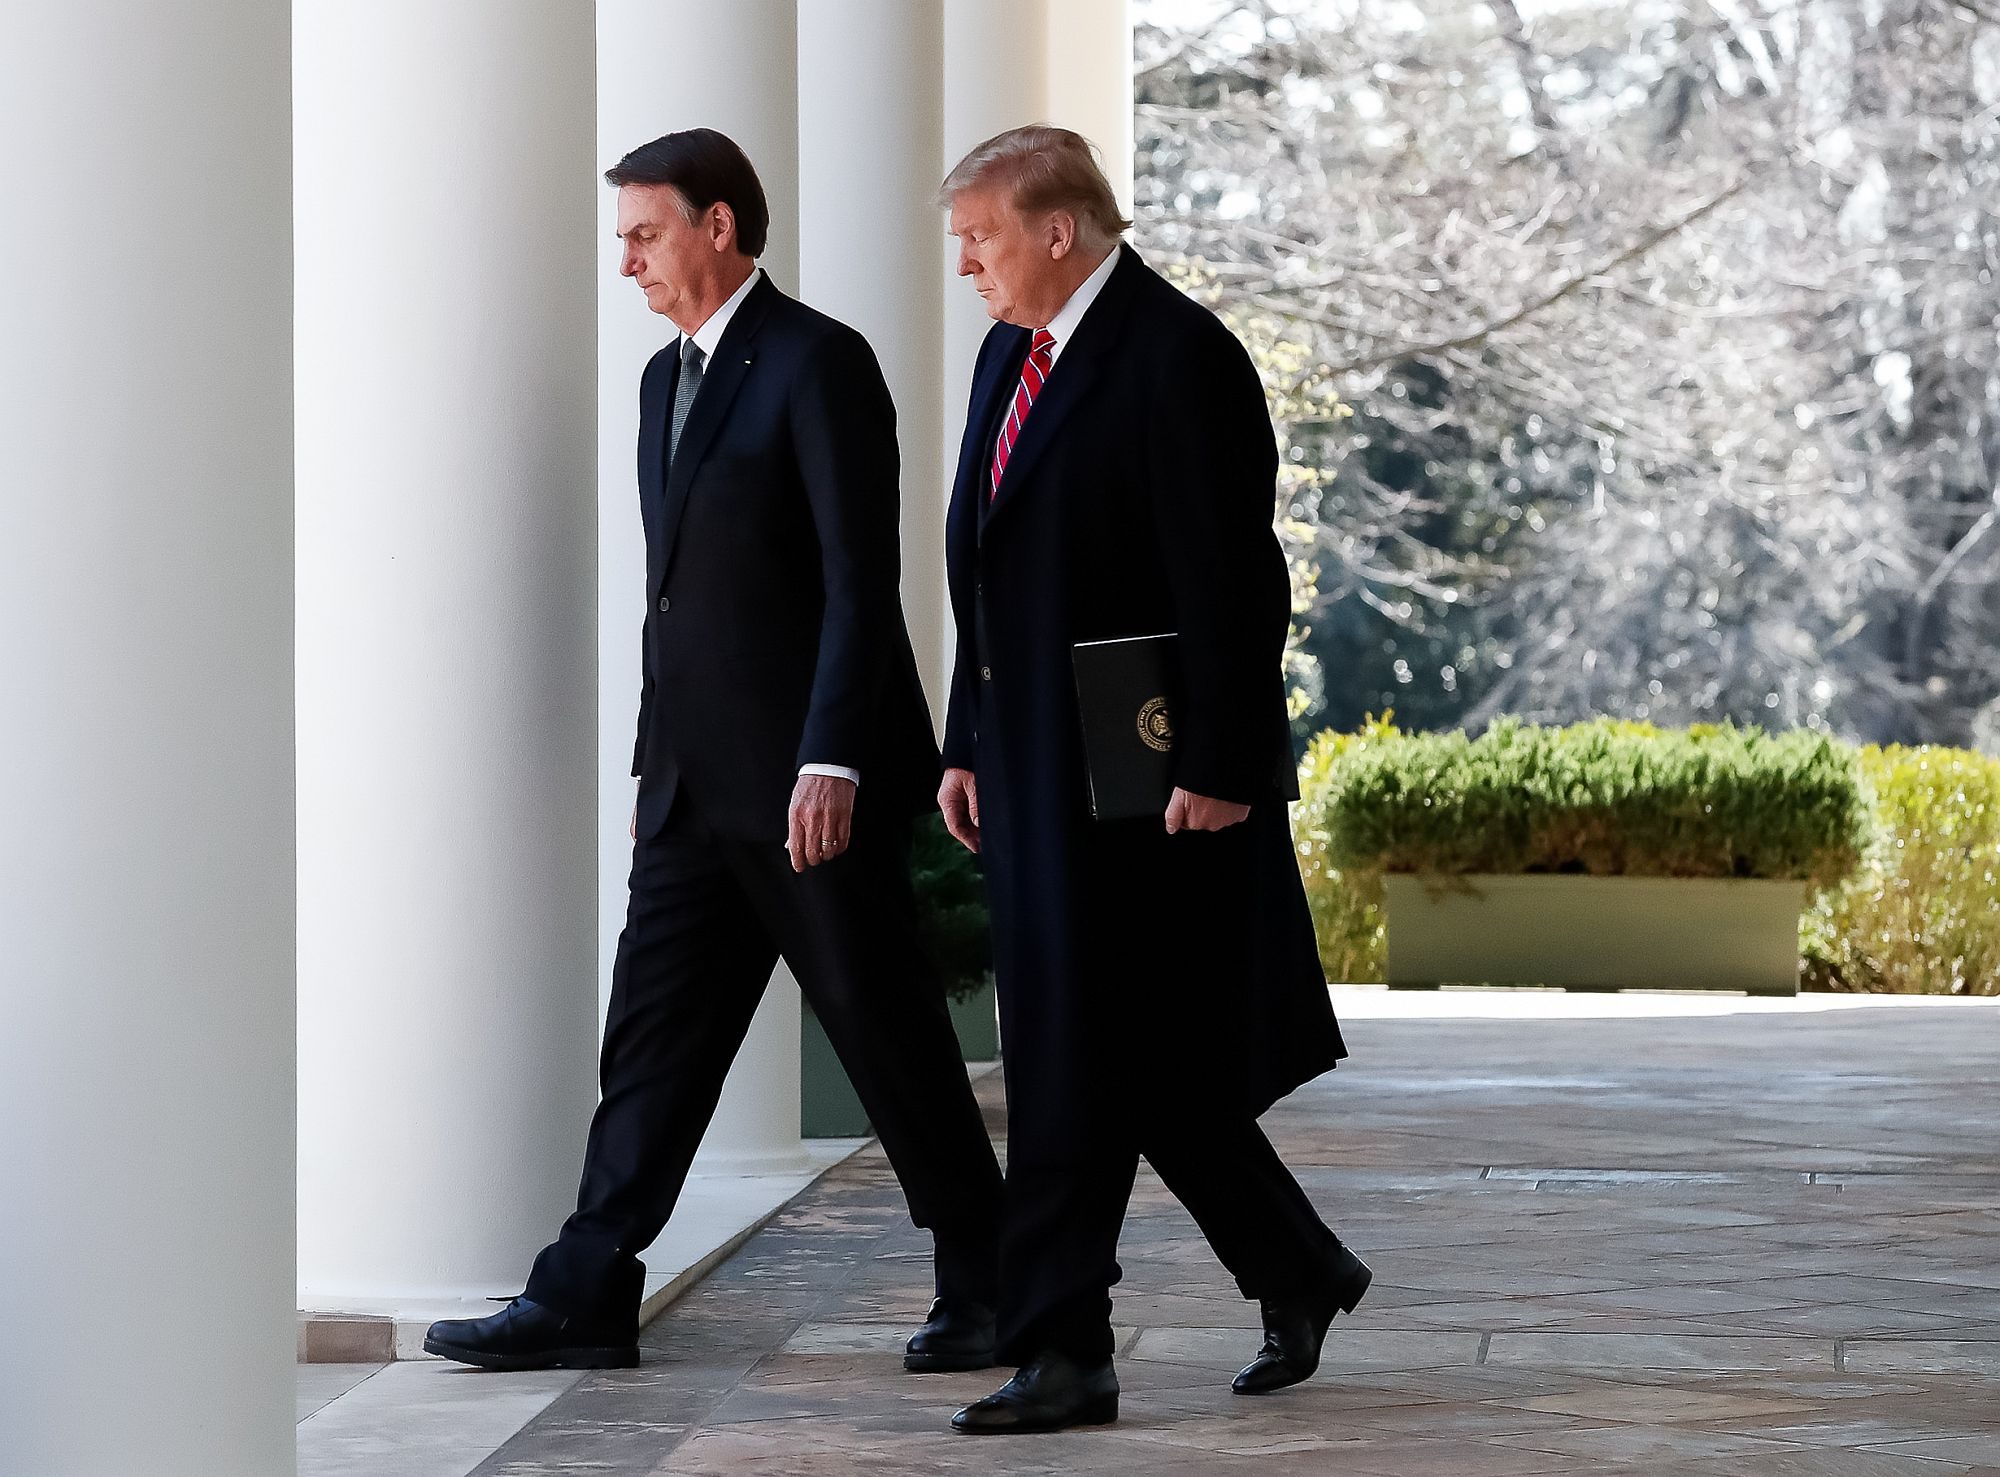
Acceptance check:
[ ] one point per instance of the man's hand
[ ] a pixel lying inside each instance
(1186, 812)
(958, 798)
(822, 819)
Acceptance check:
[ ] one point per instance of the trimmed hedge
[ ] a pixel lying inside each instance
(1606, 798)
(1922, 913)
(1918, 909)
(1346, 902)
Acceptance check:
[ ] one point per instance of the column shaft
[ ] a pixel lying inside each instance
(1090, 81)
(995, 78)
(146, 1063)
(665, 65)
(1067, 62)
(871, 153)
(446, 605)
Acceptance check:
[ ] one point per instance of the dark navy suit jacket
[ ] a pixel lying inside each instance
(774, 623)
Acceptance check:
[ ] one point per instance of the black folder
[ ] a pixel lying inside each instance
(1125, 690)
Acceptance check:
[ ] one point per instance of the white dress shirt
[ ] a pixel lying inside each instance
(709, 334)
(705, 339)
(1063, 326)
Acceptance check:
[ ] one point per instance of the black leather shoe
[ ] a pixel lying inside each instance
(1294, 1331)
(525, 1335)
(956, 1336)
(1048, 1393)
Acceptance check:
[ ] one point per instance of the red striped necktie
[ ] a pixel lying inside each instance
(1034, 374)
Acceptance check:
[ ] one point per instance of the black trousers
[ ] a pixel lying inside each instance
(708, 920)
(1058, 1258)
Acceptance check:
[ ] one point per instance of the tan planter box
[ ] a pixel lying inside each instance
(1602, 933)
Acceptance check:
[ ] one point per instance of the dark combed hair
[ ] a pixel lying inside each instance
(705, 168)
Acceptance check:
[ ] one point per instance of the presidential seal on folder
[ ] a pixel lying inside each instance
(1125, 691)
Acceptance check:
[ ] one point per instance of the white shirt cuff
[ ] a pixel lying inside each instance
(833, 771)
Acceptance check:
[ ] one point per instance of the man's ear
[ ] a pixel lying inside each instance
(721, 226)
(1061, 234)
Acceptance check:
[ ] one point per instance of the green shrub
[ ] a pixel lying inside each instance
(1346, 903)
(951, 907)
(1605, 798)
(1922, 913)
(1919, 912)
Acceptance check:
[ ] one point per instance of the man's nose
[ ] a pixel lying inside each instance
(628, 264)
(966, 265)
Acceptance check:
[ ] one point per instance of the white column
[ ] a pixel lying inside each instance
(871, 154)
(1090, 81)
(995, 78)
(664, 65)
(146, 1066)
(1067, 62)
(446, 613)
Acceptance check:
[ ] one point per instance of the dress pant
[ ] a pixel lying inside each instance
(709, 917)
(1058, 1258)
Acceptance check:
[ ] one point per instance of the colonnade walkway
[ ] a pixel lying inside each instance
(1649, 1234)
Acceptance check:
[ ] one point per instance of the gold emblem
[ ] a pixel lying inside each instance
(1156, 729)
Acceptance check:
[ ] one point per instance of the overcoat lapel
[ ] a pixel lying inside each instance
(990, 396)
(1072, 380)
(726, 371)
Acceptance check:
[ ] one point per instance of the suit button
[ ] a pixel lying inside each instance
(985, 674)
(665, 604)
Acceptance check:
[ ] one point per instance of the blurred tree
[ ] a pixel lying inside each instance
(1627, 358)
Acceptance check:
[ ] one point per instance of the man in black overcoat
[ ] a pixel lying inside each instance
(784, 746)
(1159, 985)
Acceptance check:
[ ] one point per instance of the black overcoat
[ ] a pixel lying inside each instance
(1138, 971)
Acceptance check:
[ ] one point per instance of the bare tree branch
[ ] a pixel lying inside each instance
(1476, 336)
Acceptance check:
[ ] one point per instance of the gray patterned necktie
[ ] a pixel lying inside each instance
(684, 393)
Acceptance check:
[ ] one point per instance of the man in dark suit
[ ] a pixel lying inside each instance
(1159, 986)
(784, 745)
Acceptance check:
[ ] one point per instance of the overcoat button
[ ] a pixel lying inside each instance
(665, 604)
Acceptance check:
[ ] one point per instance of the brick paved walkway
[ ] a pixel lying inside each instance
(1735, 1237)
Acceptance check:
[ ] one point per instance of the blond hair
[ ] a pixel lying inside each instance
(1043, 168)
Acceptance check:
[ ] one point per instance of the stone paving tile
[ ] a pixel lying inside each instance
(1922, 1356)
(1825, 1464)
(1661, 1447)
(1612, 1351)
(419, 1418)
(1886, 1426)
(1687, 1244)
(1225, 1348)
(321, 1384)
(1980, 1446)
(1637, 1404)
(1460, 1420)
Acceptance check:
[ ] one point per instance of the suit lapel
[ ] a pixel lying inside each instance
(735, 352)
(1072, 380)
(653, 453)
